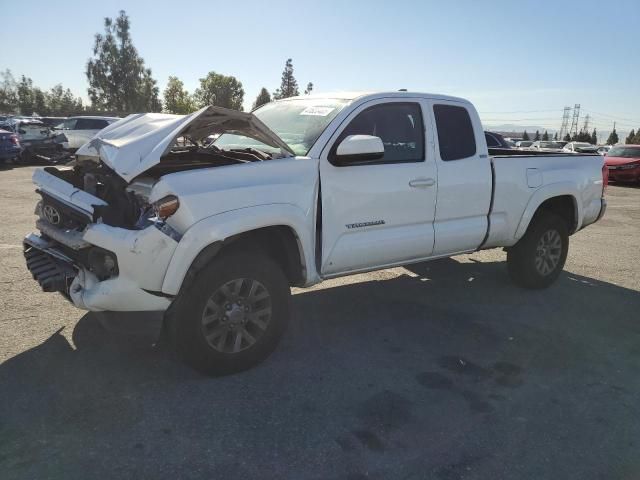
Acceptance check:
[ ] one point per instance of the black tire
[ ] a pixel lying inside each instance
(185, 322)
(523, 259)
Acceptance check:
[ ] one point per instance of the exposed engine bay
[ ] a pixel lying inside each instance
(127, 203)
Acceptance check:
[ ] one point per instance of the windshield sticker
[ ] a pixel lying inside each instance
(317, 111)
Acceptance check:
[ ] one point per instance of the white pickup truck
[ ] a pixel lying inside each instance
(213, 216)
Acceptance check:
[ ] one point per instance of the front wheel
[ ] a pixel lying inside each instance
(538, 258)
(233, 315)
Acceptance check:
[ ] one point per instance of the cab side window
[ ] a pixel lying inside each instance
(399, 126)
(456, 137)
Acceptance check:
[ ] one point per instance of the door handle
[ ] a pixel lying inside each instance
(422, 182)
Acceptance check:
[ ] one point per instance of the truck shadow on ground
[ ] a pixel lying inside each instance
(365, 370)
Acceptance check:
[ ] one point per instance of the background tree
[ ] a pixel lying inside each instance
(61, 102)
(8, 93)
(631, 136)
(613, 138)
(262, 98)
(309, 89)
(288, 85)
(219, 90)
(25, 96)
(40, 102)
(537, 137)
(525, 136)
(545, 135)
(555, 136)
(176, 98)
(594, 137)
(118, 79)
(567, 138)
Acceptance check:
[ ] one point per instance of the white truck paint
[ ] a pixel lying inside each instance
(344, 214)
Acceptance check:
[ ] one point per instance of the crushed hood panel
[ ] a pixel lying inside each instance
(136, 143)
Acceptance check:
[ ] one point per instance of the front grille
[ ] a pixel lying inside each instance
(53, 274)
(61, 215)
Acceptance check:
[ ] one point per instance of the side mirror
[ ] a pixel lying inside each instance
(359, 148)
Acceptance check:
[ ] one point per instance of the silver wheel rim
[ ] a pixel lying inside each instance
(548, 252)
(236, 315)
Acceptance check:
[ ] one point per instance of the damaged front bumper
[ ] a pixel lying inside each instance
(142, 260)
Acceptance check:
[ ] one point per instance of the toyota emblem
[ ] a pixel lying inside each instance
(51, 215)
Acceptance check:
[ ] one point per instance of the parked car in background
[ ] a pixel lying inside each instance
(623, 163)
(37, 141)
(604, 149)
(495, 140)
(79, 130)
(523, 144)
(10, 148)
(580, 147)
(547, 146)
(52, 121)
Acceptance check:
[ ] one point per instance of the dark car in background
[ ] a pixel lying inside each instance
(495, 140)
(623, 163)
(10, 148)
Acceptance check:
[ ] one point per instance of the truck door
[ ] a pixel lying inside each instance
(379, 213)
(465, 181)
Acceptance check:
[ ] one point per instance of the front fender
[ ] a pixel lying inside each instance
(219, 227)
(545, 193)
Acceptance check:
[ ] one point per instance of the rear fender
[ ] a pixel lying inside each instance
(543, 194)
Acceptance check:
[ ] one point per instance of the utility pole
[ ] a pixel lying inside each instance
(575, 119)
(565, 122)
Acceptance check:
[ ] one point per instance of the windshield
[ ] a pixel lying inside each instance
(582, 145)
(299, 123)
(625, 152)
(550, 145)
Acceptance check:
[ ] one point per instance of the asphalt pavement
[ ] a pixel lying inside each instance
(442, 370)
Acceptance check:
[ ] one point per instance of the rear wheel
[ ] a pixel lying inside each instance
(233, 315)
(538, 258)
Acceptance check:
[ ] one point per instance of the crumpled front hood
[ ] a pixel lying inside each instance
(136, 143)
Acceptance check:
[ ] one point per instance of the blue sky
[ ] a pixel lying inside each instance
(529, 58)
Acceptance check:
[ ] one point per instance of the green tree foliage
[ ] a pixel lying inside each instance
(8, 93)
(567, 138)
(537, 137)
(631, 136)
(219, 90)
(545, 135)
(176, 98)
(31, 100)
(262, 98)
(288, 85)
(309, 89)
(61, 102)
(25, 96)
(594, 137)
(525, 136)
(613, 138)
(118, 78)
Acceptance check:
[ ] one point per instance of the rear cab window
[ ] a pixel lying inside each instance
(456, 137)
